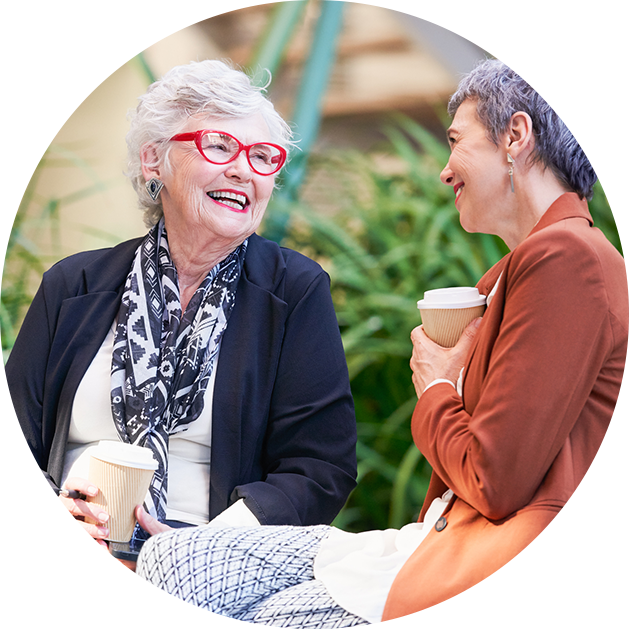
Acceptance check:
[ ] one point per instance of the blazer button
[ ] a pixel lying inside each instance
(441, 524)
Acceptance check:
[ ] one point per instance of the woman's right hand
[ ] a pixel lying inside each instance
(431, 362)
(44, 538)
(148, 523)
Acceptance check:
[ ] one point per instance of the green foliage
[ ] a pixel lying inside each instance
(610, 203)
(391, 236)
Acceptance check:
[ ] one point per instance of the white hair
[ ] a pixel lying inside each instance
(210, 88)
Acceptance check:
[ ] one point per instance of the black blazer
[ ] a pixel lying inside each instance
(283, 428)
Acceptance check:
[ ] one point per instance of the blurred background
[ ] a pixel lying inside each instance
(365, 89)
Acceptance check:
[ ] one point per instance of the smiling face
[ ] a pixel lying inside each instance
(223, 204)
(478, 171)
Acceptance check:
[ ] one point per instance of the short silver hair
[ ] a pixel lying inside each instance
(499, 92)
(211, 88)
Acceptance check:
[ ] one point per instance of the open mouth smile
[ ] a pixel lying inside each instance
(233, 200)
(457, 191)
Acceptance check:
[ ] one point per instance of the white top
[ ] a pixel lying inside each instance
(189, 452)
(358, 569)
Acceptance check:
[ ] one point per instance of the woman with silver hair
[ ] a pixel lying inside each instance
(215, 348)
(510, 418)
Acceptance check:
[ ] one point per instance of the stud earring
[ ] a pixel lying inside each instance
(511, 162)
(154, 187)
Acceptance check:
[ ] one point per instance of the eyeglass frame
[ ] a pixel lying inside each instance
(197, 135)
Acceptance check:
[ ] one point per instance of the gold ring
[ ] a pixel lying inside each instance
(59, 525)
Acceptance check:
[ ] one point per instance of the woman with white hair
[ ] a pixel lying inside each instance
(510, 418)
(212, 346)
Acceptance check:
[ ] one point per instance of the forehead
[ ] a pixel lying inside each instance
(247, 129)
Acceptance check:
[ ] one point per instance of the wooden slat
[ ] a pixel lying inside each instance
(197, 9)
(346, 105)
(353, 47)
(340, 106)
(297, 53)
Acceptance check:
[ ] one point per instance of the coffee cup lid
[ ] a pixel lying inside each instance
(450, 298)
(127, 454)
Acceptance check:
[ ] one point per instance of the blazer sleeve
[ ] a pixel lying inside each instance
(552, 341)
(309, 455)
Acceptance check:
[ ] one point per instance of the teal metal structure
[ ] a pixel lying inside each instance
(270, 49)
(308, 107)
(306, 116)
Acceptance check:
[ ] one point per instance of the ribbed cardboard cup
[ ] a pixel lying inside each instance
(446, 312)
(122, 472)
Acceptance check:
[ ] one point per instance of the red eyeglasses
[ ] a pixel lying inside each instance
(218, 147)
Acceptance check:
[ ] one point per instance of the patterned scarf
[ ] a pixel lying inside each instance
(162, 361)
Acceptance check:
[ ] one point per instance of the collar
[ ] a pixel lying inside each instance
(568, 205)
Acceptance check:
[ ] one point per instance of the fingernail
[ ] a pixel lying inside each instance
(91, 490)
(477, 322)
(103, 517)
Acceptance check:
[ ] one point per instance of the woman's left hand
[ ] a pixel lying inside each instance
(431, 361)
(150, 525)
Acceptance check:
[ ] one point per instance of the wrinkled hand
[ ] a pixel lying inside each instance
(431, 361)
(44, 539)
(150, 525)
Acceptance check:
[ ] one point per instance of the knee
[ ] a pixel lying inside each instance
(155, 558)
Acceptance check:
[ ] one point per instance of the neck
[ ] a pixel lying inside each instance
(194, 257)
(536, 191)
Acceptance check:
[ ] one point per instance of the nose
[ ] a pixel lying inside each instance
(239, 168)
(447, 176)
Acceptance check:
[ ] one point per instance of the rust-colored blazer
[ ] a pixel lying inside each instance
(539, 389)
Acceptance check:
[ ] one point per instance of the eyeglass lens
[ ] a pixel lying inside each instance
(220, 148)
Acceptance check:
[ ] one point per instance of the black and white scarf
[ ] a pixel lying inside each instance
(162, 361)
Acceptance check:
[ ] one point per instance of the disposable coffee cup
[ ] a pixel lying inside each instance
(446, 312)
(122, 472)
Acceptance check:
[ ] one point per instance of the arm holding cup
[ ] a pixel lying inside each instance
(73, 506)
(108, 503)
(431, 362)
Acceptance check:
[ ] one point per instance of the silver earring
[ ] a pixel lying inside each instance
(154, 187)
(511, 162)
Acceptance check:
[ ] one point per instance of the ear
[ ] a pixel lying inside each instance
(519, 138)
(151, 164)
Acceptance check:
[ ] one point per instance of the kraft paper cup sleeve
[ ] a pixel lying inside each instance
(445, 327)
(446, 312)
(123, 483)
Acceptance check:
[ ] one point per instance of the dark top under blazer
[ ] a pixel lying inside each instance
(283, 426)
